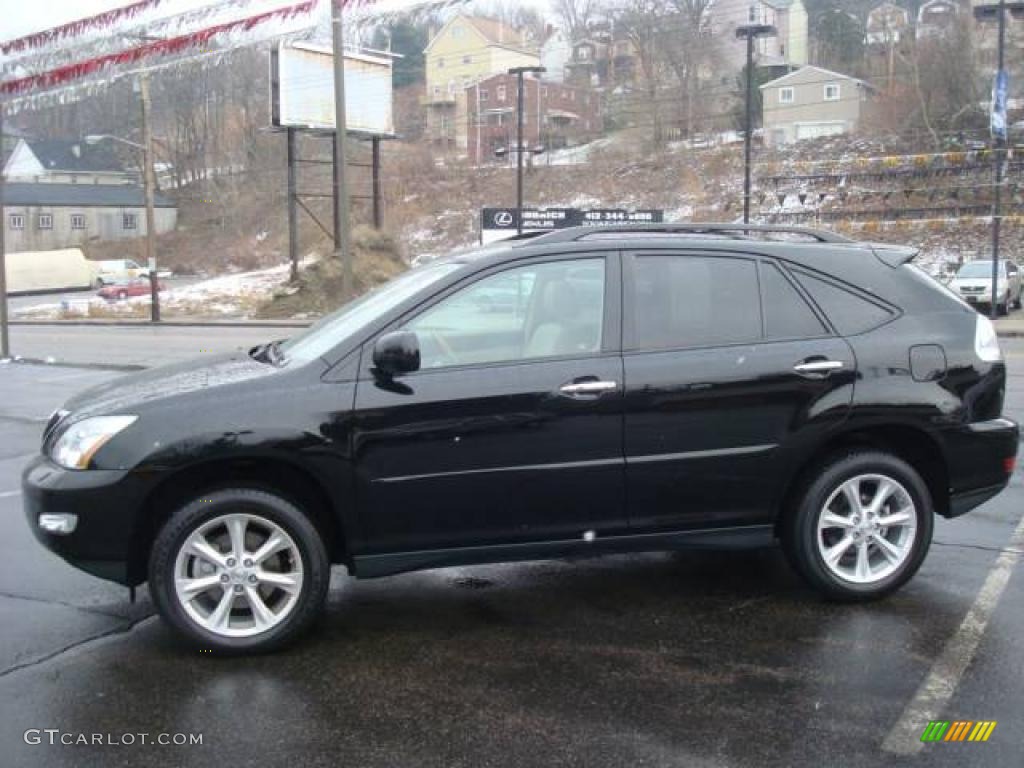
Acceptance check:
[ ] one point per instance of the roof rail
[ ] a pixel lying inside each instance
(737, 231)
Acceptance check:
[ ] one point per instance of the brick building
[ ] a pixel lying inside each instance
(555, 115)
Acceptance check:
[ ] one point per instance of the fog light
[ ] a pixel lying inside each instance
(61, 525)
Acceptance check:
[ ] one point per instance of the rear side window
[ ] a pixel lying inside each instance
(786, 314)
(693, 301)
(849, 313)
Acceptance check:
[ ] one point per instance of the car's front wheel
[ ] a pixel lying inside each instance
(239, 570)
(862, 526)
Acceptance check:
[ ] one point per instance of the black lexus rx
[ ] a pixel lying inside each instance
(584, 392)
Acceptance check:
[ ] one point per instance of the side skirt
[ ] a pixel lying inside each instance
(743, 537)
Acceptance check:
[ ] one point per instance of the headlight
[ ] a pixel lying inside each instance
(78, 443)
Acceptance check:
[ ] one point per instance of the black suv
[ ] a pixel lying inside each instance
(579, 393)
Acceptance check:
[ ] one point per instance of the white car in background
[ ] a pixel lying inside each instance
(114, 271)
(973, 283)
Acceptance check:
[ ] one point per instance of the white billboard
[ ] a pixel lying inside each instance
(302, 89)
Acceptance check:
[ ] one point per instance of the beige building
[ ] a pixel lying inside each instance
(812, 102)
(787, 47)
(464, 51)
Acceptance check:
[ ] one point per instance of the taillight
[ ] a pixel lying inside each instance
(986, 343)
(1008, 464)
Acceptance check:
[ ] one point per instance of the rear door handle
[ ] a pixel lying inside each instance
(578, 388)
(818, 368)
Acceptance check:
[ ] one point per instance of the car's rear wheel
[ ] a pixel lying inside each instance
(239, 570)
(862, 526)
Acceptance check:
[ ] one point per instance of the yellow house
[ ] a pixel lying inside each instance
(465, 50)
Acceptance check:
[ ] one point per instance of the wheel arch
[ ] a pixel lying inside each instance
(271, 474)
(914, 445)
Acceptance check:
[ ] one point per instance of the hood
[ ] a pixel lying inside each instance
(127, 393)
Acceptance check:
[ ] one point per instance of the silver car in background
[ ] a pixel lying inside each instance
(973, 282)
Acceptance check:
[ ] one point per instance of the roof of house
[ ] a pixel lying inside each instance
(494, 31)
(822, 70)
(80, 195)
(74, 156)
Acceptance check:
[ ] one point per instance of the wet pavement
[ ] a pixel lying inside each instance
(683, 659)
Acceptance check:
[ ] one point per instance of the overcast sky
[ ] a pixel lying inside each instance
(21, 17)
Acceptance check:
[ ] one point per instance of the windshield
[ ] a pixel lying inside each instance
(334, 328)
(977, 269)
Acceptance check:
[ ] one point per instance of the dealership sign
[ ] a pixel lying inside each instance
(501, 223)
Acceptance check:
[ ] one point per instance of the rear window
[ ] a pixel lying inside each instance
(786, 314)
(848, 312)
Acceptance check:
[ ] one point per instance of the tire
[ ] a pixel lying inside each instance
(825, 491)
(290, 581)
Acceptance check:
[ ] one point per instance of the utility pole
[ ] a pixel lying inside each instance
(150, 183)
(342, 240)
(750, 32)
(5, 342)
(520, 149)
(987, 13)
(293, 223)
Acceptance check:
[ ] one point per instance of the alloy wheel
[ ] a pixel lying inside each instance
(866, 528)
(238, 575)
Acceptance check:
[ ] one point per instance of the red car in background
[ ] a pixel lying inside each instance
(127, 288)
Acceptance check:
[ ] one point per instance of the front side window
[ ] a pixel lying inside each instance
(693, 301)
(546, 310)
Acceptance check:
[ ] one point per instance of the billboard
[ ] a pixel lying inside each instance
(501, 223)
(302, 89)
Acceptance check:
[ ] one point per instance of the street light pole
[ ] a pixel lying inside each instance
(149, 182)
(520, 149)
(342, 241)
(5, 343)
(997, 12)
(750, 32)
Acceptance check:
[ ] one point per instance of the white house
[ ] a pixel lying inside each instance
(812, 102)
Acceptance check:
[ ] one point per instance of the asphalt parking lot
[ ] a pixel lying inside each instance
(684, 659)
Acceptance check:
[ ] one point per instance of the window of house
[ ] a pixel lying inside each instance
(451, 87)
(785, 95)
(501, 93)
(546, 310)
(16, 221)
(544, 92)
(440, 62)
(437, 90)
(831, 91)
(129, 221)
(78, 221)
(45, 221)
(467, 59)
(483, 94)
(692, 301)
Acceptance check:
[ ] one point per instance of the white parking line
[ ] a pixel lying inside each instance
(9, 494)
(938, 688)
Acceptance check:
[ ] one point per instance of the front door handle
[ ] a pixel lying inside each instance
(818, 368)
(591, 387)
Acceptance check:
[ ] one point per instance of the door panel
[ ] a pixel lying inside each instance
(708, 431)
(487, 455)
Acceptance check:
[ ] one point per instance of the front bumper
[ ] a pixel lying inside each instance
(978, 455)
(106, 503)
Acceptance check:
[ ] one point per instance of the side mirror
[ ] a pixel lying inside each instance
(396, 353)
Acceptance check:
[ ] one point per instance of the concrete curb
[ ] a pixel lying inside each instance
(171, 323)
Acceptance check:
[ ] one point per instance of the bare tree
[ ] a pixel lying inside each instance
(575, 16)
